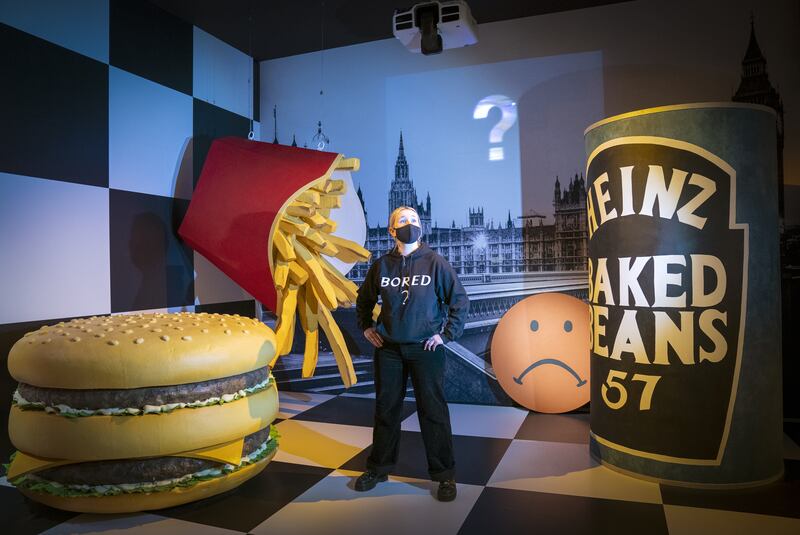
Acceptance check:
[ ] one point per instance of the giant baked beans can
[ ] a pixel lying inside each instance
(684, 288)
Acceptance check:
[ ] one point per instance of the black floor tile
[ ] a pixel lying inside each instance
(778, 499)
(572, 427)
(257, 499)
(476, 457)
(348, 411)
(515, 511)
(22, 516)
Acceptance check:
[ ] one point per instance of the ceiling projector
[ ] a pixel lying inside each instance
(430, 27)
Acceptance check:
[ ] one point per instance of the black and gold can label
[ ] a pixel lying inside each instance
(667, 287)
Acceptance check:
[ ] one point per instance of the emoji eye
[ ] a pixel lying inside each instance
(568, 326)
(534, 325)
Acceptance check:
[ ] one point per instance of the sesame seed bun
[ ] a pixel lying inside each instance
(142, 350)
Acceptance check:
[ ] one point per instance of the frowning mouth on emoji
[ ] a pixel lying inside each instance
(554, 362)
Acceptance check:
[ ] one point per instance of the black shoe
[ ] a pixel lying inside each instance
(447, 491)
(368, 480)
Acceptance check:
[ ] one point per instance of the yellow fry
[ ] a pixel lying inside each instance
(320, 184)
(307, 311)
(347, 256)
(323, 288)
(314, 236)
(319, 221)
(311, 353)
(283, 246)
(319, 245)
(281, 273)
(315, 248)
(325, 185)
(339, 347)
(339, 281)
(341, 297)
(329, 249)
(334, 186)
(309, 196)
(289, 338)
(308, 308)
(349, 251)
(298, 210)
(349, 164)
(284, 329)
(330, 202)
(292, 225)
(297, 274)
(332, 193)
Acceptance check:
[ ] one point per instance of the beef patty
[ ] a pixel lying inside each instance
(140, 470)
(139, 397)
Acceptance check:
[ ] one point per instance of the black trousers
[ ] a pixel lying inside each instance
(394, 363)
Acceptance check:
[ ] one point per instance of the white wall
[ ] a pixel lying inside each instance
(653, 53)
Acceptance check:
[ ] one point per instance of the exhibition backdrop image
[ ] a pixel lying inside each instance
(509, 228)
(487, 144)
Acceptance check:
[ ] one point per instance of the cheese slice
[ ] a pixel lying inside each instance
(27, 464)
(229, 452)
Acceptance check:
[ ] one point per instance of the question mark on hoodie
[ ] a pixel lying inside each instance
(509, 110)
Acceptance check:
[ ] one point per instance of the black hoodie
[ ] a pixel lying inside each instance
(421, 296)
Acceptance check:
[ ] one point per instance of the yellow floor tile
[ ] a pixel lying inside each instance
(320, 444)
(695, 521)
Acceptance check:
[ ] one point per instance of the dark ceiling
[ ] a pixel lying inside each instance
(288, 27)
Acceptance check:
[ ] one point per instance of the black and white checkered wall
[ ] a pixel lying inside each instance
(107, 111)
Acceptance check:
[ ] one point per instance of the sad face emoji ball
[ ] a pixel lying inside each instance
(540, 352)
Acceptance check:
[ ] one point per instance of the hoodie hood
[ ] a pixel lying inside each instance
(421, 251)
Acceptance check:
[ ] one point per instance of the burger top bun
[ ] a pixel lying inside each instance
(135, 351)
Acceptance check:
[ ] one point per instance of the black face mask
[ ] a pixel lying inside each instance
(408, 233)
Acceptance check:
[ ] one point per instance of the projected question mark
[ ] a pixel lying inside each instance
(509, 109)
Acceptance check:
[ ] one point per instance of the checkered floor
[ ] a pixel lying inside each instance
(518, 472)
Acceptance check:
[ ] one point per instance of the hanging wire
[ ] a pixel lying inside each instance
(320, 140)
(322, 55)
(251, 134)
(275, 120)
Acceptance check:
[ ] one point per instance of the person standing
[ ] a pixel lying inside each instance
(424, 306)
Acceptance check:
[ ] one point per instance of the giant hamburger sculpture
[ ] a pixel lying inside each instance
(129, 413)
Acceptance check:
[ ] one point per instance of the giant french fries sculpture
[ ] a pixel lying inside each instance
(262, 213)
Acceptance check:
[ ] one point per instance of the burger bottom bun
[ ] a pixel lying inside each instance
(134, 502)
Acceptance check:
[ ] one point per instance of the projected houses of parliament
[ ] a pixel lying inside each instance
(484, 248)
